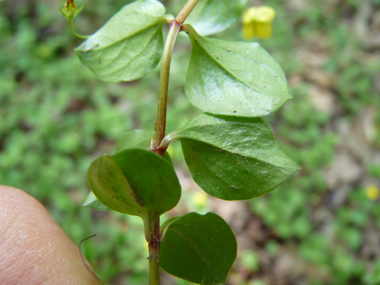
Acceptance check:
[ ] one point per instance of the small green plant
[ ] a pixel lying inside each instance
(231, 152)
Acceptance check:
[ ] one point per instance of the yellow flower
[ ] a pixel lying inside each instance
(200, 199)
(372, 192)
(257, 22)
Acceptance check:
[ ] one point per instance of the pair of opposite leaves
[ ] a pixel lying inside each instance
(224, 78)
(227, 157)
(230, 158)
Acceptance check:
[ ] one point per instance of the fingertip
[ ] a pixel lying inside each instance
(34, 248)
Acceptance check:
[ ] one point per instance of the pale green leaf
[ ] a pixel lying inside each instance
(112, 188)
(129, 45)
(94, 203)
(135, 139)
(214, 16)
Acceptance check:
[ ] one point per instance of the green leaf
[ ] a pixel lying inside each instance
(199, 248)
(233, 78)
(135, 139)
(233, 158)
(136, 182)
(214, 16)
(94, 203)
(129, 45)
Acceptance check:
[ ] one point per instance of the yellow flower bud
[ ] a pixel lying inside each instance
(264, 14)
(249, 15)
(70, 10)
(372, 192)
(257, 22)
(249, 30)
(263, 30)
(70, 5)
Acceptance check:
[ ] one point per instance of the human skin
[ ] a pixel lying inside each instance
(33, 247)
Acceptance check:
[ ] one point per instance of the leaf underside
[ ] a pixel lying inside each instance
(129, 45)
(214, 16)
(94, 203)
(135, 139)
(135, 182)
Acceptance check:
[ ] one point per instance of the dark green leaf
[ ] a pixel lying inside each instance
(199, 248)
(94, 203)
(135, 182)
(129, 45)
(233, 158)
(213, 16)
(233, 78)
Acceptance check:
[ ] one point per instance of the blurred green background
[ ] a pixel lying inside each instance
(321, 227)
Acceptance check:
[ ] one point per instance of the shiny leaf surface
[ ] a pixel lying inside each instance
(233, 158)
(233, 78)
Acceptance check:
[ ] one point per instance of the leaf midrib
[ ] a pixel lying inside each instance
(196, 251)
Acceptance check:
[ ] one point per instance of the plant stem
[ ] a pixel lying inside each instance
(154, 254)
(160, 125)
(181, 17)
(175, 27)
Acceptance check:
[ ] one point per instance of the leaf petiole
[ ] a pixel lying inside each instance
(74, 32)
